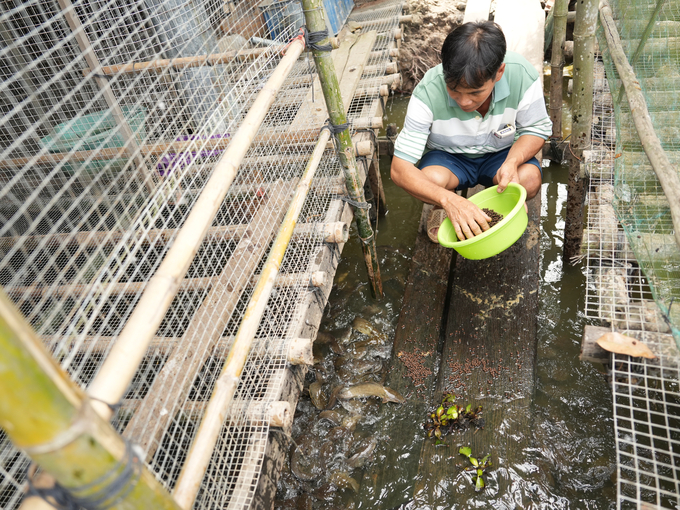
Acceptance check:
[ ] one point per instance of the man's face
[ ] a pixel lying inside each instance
(471, 99)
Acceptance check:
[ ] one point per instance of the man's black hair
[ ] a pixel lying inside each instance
(472, 54)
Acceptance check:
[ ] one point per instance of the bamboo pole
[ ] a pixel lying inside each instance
(582, 114)
(557, 65)
(120, 366)
(330, 233)
(161, 64)
(281, 136)
(329, 83)
(202, 448)
(665, 171)
(135, 288)
(47, 416)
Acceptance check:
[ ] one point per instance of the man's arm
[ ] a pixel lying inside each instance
(468, 220)
(521, 151)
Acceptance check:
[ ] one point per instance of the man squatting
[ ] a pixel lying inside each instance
(480, 116)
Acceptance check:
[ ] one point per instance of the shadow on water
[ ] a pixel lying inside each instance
(571, 460)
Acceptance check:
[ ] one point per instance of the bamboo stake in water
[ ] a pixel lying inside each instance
(120, 366)
(582, 116)
(202, 448)
(557, 65)
(313, 10)
(45, 414)
(664, 169)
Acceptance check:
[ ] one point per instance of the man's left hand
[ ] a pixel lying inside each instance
(506, 174)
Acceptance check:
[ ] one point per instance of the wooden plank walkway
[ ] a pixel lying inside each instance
(488, 360)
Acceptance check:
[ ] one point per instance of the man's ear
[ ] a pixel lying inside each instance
(499, 73)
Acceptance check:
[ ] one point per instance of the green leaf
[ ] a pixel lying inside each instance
(479, 482)
(468, 408)
(452, 412)
(449, 397)
(485, 459)
(474, 461)
(465, 450)
(437, 433)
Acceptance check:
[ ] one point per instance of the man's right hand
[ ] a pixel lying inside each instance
(468, 220)
(438, 189)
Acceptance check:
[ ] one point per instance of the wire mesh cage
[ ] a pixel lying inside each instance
(632, 264)
(649, 31)
(115, 117)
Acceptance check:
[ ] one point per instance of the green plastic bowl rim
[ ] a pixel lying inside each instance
(499, 225)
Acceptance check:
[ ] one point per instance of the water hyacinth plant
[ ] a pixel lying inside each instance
(477, 466)
(448, 417)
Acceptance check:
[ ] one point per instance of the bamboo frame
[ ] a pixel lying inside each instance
(47, 416)
(665, 171)
(281, 136)
(206, 325)
(164, 345)
(120, 366)
(332, 232)
(199, 456)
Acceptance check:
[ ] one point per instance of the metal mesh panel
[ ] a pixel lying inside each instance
(645, 392)
(114, 116)
(639, 201)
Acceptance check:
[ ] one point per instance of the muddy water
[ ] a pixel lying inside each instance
(571, 463)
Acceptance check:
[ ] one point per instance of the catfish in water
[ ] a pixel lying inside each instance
(368, 389)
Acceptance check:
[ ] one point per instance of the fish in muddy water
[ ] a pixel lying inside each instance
(343, 481)
(332, 416)
(369, 389)
(317, 395)
(362, 452)
(346, 369)
(324, 338)
(304, 460)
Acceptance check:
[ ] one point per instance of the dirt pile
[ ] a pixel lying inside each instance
(422, 41)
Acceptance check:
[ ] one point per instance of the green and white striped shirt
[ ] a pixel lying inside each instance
(435, 121)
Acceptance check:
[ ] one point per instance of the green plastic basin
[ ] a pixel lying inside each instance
(502, 235)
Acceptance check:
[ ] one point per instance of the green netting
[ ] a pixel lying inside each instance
(641, 206)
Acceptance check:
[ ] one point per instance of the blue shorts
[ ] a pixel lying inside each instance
(471, 171)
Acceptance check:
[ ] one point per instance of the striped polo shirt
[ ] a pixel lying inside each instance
(435, 121)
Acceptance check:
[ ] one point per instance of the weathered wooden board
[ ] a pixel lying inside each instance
(412, 371)
(488, 360)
